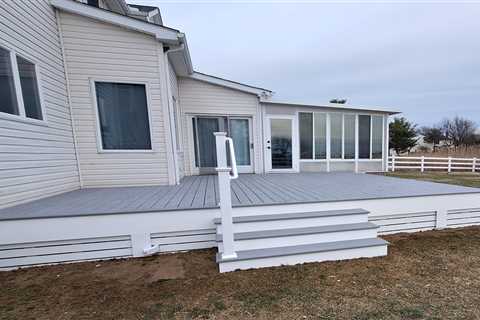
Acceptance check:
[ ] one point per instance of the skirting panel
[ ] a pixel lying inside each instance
(463, 217)
(48, 252)
(184, 240)
(408, 222)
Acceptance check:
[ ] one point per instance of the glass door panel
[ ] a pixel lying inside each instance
(281, 143)
(206, 141)
(240, 133)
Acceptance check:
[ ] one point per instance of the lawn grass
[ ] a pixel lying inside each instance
(461, 179)
(427, 275)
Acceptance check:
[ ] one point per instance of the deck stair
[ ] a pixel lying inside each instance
(292, 238)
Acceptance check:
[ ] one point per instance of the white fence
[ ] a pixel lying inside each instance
(448, 164)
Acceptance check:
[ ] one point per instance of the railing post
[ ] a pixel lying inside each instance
(225, 196)
(474, 165)
(422, 165)
(393, 163)
(449, 164)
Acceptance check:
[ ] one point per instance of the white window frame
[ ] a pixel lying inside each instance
(21, 116)
(100, 148)
(370, 159)
(328, 137)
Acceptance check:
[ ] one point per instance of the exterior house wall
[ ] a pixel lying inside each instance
(175, 94)
(37, 159)
(99, 51)
(334, 164)
(198, 97)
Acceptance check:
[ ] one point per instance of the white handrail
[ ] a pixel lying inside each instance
(233, 160)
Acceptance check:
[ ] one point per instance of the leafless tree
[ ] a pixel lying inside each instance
(459, 131)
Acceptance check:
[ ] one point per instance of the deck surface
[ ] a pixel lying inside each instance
(199, 192)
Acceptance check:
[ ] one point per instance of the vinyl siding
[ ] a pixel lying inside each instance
(99, 51)
(36, 160)
(198, 97)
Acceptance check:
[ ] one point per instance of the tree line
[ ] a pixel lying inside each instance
(457, 132)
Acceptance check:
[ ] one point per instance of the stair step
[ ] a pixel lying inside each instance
(295, 220)
(297, 215)
(300, 236)
(300, 231)
(315, 252)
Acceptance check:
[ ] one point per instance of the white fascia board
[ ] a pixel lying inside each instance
(162, 34)
(230, 84)
(332, 106)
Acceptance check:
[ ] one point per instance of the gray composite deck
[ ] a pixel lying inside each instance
(199, 192)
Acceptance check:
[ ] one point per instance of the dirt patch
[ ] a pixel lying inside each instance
(429, 275)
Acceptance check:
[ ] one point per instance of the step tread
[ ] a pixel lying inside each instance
(299, 231)
(297, 215)
(303, 249)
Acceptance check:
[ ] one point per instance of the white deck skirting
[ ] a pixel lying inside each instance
(69, 238)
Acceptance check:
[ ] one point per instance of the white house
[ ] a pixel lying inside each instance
(99, 93)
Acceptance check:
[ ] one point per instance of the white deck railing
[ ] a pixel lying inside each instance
(423, 164)
(225, 174)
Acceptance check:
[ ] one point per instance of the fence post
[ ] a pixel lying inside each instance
(474, 165)
(393, 163)
(449, 164)
(422, 166)
(225, 196)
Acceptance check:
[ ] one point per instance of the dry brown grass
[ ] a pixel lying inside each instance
(429, 275)
(466, 179)
(460, 152)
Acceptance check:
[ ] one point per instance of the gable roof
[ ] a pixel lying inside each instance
(261, 92)
(163, 34)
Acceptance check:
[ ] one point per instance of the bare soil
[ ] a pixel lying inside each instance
(429, 275)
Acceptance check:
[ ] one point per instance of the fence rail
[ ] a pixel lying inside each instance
(423, 164)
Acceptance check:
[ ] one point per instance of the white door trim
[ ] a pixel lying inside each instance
(295, 148)
(249, 168)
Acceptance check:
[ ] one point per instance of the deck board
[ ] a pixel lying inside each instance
(199, 192)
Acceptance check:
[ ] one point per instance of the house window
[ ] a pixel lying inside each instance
(19, 92)
(364, 136)
(320, 136)
(377, 137)
(123, 116)
(28, 82)
(8, 99)
(336, 133)
(349, 136)
(306, 135)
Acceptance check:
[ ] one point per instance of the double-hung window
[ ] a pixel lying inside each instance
(19, 89)
(123, 116)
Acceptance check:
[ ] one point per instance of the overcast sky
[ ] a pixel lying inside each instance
(422, 59)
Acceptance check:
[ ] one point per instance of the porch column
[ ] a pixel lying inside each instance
(225, 196)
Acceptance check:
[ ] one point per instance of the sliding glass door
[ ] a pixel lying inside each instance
(239, 129)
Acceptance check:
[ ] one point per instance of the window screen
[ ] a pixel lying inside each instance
(336, 135)
(320, 136)
(123, 115)
(306, 135)
(349, 136)
(364, 137)
(377, 135)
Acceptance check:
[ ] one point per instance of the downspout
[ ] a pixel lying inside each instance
(173, 127)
